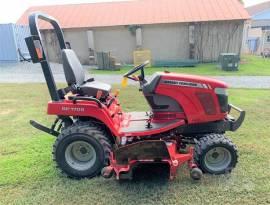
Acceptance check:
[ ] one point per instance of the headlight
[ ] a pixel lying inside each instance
(222, 96)
(221, 91)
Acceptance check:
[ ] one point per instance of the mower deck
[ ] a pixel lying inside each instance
(126, 158)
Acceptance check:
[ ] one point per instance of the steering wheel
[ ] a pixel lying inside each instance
(134, 70)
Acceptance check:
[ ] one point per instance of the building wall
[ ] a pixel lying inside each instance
(119, 41)
(52, 48)
(265, 47)
(245, 48)
(213, 38)
(256, 30)
(77, 39)
(259, 35)
(11, 39)
(8, 48)
(166, 41)
(79, 43)
(116, 40)
(255, 33)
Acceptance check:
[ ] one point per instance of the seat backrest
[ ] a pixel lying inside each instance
(73, 69)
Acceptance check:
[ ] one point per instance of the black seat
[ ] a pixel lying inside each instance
(75, 75)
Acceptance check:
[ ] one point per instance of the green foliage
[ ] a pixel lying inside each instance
(28, 174)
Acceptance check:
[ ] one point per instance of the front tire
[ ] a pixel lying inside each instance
(216, 154)
(82, 150)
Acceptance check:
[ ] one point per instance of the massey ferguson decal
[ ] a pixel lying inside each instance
(185, 84)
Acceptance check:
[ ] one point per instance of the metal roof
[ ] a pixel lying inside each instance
(140, 12)
(258, 8)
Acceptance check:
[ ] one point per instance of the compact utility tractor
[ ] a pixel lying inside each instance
(185, 124)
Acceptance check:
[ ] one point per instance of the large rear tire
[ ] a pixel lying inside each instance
(82, 150)
(216, 154)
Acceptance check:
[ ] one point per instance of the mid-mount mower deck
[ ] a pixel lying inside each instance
(188, 118)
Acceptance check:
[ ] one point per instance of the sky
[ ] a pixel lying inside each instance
(11, 10)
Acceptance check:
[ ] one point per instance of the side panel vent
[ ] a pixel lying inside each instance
(207, 103)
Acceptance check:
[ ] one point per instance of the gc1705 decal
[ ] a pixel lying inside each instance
(74, 109)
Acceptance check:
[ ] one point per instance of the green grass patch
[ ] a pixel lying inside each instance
(28, 174)
(250, 66)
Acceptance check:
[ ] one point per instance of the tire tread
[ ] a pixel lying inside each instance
(89, 129)
(210, 140)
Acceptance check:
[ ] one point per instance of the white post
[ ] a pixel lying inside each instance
(91, 46)
(139, 37)
(90, 39)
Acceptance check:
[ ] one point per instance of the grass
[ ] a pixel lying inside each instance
(28, 174)
(250, 66)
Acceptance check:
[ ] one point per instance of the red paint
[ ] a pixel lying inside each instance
(113, 117)
(193, 93)
(154, 131)
(176, 160)
(90, 109)
(187, 98)
(167, 116)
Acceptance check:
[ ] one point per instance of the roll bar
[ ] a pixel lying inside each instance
(37, 52)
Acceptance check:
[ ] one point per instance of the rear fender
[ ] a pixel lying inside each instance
(86, 109)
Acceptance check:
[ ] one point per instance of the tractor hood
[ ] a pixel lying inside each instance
(191, 80)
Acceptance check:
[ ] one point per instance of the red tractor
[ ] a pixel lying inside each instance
(188, 118)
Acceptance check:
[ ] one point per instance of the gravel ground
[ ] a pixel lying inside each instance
(32, 73)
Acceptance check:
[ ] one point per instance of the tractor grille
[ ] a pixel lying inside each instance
(207, 103)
